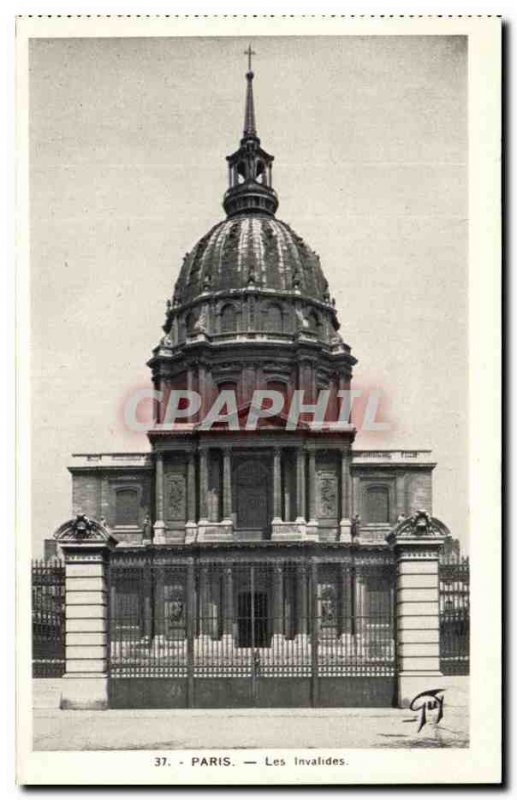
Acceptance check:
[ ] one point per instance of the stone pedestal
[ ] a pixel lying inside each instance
(417, 542)
(214, 531)
(345, 531)
(296, 531)
(85, 544)
(159, 529)
(311, 531)
(190, 532)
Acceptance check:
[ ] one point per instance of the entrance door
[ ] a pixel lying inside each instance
(253, 503)
(252, 621)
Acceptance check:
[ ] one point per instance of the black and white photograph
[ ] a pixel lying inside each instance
(250, 291)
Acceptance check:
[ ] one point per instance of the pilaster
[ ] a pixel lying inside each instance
(191, 526)
(277, 486)
(159, 525)
(345, 524)
(203, 485)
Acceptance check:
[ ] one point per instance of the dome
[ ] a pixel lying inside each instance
(251, 306)
(251, 250)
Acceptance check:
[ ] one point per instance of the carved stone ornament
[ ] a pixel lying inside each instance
(83, 529)
(421, 525)
(176, 498)
(327, 495)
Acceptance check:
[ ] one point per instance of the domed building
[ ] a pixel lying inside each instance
(251, 310)
(252, 566)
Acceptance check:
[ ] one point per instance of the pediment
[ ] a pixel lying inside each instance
(277, 421)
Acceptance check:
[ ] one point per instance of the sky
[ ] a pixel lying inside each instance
(128, 139)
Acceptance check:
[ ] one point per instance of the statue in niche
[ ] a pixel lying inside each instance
(147, 529)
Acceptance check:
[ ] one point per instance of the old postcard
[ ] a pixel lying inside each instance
(259, 368)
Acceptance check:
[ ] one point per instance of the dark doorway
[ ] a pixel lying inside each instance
(253, 622)
(252, 487)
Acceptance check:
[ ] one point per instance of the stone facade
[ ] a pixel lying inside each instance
(208, 486)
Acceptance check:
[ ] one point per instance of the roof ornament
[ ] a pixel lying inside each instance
(250, 187)
(420, 525)
(250, 128)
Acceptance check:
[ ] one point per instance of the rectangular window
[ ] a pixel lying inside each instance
(126, 507)
(377, 504)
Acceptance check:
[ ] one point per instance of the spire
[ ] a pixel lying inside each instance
(250, 128)
(250, 167)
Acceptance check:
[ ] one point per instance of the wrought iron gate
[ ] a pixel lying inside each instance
(196, 633)
(48, 619)
(454, 575)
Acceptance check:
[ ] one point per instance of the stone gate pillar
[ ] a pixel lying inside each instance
(85, 544)
(416, 542)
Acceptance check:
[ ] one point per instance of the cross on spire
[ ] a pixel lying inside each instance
(249, 112)
(249, 52)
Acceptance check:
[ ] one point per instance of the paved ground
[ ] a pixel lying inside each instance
(243, 728)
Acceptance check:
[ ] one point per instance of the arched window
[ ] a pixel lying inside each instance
(228, 319)
(313, 321)
(126, 506)
(190, 321)
(241, 172)
(260, 172)
(227, 386)
(274, 319)
(377, 504)
(280, 387)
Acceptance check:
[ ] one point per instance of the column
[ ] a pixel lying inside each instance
(205, 622)
(359, 620)
(278, 600)
(85, 683)
(315, 631)
(228, 603)
(157, 415)
(287, 486)
(191, 629)
(159, 525)
(227, 484)
(190, 379)
(416, 543)
(312, 486)
(277, 485)
(346, 512)
(148, 586)
(203, 484)
(345, 606)
(302, 611)
(202, 389)
(300, 485)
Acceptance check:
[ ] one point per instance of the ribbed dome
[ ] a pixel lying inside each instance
(251, 250)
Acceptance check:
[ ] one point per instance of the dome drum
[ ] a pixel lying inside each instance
(250, 314)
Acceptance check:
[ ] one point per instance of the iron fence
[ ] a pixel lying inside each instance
(454, 573)
(48, 619)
